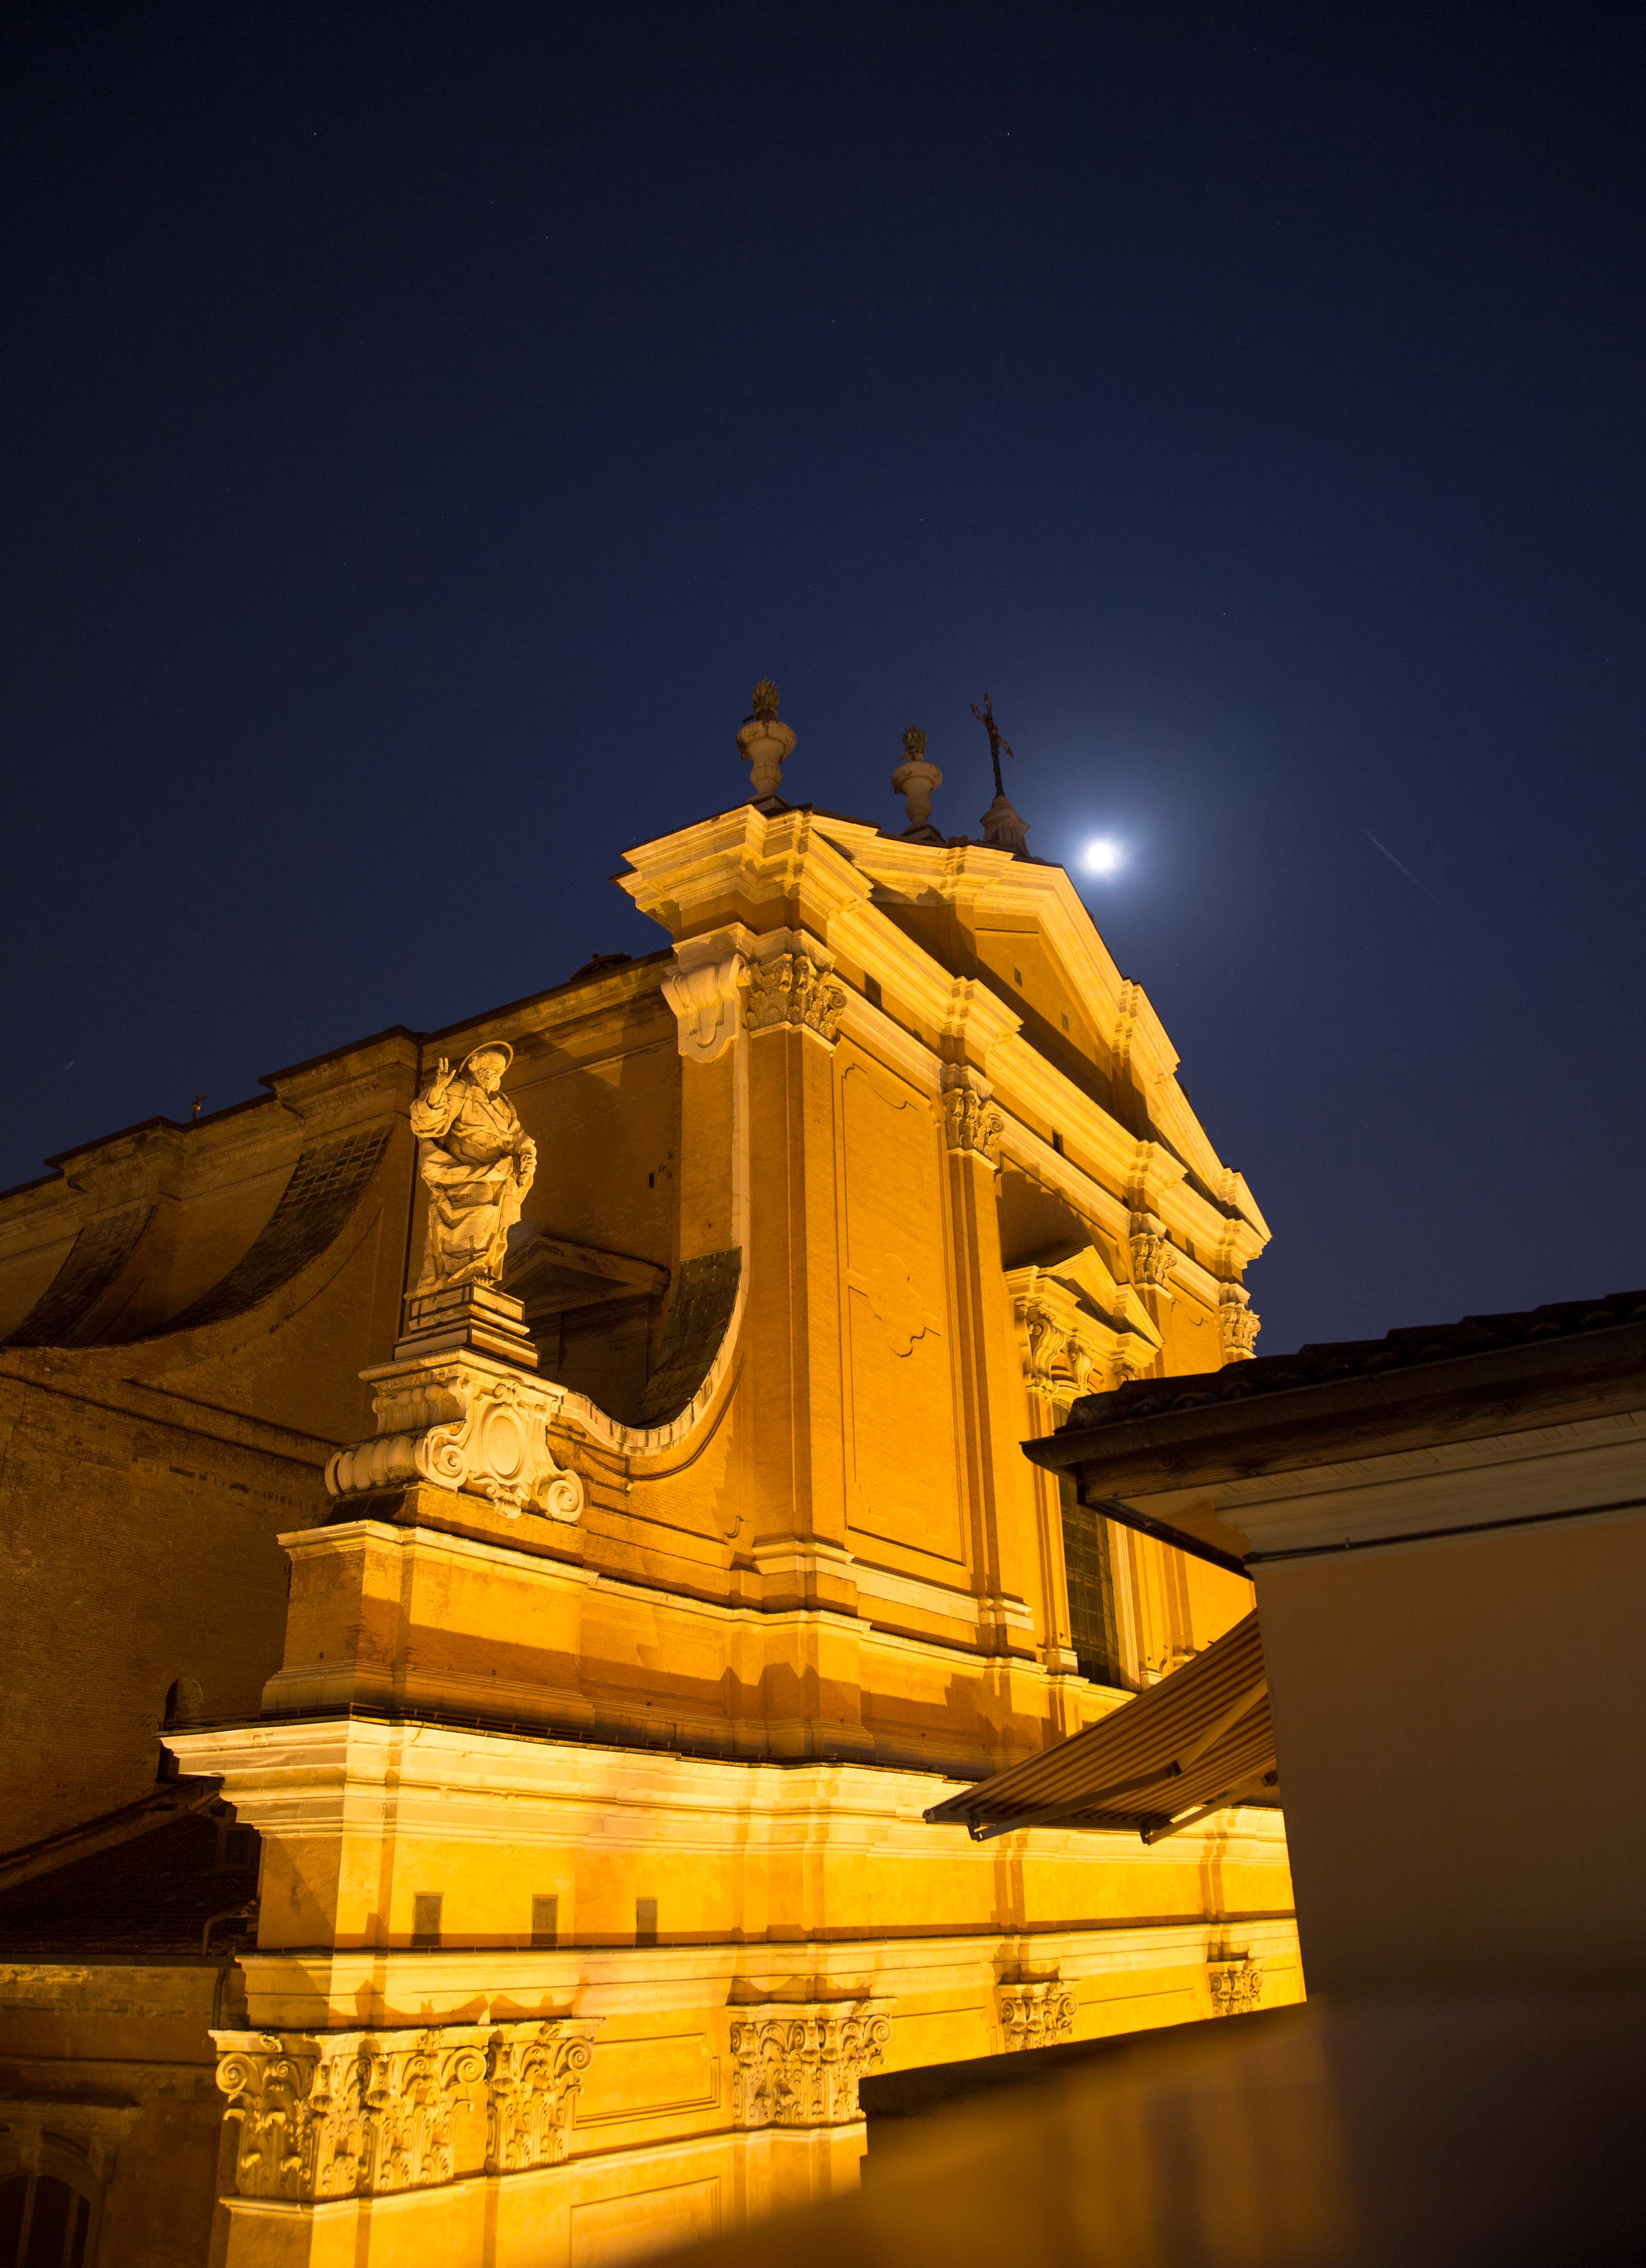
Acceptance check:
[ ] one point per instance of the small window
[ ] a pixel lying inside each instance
(645, 1921)
(873, 993)
(1065, 1020)
(545, 1923)
(1017, 976)
(185, 1704)
(425, 1934)
(1057, 1143)
(1089, 1572)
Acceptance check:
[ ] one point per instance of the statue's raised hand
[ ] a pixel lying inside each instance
(441, 1080)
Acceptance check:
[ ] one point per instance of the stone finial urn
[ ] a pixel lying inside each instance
(765, 743)
(916, 780)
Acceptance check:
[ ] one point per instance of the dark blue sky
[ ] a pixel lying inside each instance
(422, 424)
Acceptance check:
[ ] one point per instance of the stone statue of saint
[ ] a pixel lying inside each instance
(478, 1162)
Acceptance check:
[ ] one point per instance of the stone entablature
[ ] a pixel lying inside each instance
(833, 878)
(800, 2062)
(366, 2113)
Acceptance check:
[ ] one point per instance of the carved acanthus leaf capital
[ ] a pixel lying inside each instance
(800, 2062)
(1153, 1258)
(1238, 1322)
(973, 1125)
(1036, 2012)
(1237, 1985)
(795, 989)
(368, 2114)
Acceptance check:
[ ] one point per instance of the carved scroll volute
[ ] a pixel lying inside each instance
(705, 994)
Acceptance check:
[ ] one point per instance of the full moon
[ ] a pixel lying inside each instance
(1102, 857)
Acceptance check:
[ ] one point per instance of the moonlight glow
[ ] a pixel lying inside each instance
(1102, 857)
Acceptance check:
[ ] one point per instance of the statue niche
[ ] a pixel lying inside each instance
(477, 1162)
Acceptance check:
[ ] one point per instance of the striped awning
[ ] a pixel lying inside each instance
(1197, 1742)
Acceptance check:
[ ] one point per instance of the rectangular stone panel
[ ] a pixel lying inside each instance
(903, 1484)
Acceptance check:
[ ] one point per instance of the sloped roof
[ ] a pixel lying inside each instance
(1332, 1361)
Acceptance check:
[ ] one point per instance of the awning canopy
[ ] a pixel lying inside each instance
(1197, 1742)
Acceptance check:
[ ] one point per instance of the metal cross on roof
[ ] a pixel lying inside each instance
(985, 717)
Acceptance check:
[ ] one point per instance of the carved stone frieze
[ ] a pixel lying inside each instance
(367, 2114)
(800, 2062)
(1036, 2012)
(1237, 1985)
(462, 1422)
(1153, 1258)
(1238, 1321)
(792, 988)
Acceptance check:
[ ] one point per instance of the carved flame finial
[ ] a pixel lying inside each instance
(914, 743)
(765, 743)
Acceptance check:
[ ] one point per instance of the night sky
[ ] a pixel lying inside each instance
(421, 426)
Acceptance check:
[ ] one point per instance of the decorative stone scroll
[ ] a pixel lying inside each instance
(367, 2114)
(1153, 1258)
(1237, 1985)
(703, 994)
(800, 2062)
(1238, 1321)
(463, 1421)
(792, 988)
(1036, 2012)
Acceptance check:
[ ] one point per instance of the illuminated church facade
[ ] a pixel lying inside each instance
(560, 1482)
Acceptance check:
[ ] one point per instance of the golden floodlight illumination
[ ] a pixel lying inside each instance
(560, 1523)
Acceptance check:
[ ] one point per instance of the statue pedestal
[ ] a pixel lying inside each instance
(459, 1315)
(459, 1408)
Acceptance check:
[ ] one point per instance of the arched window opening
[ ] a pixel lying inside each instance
(44, 2223)
(185, 1705)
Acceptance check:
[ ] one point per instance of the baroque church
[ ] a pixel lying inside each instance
(509, 1533)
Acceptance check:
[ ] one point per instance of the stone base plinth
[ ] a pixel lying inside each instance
(451, 1317)
(465, 1420)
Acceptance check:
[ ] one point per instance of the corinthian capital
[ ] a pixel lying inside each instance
(800, 2062)
(1153, 1258)
(973, 1125)
(1238, 1322)
(368, 2114)
(1036, 2012)
(793, 988)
